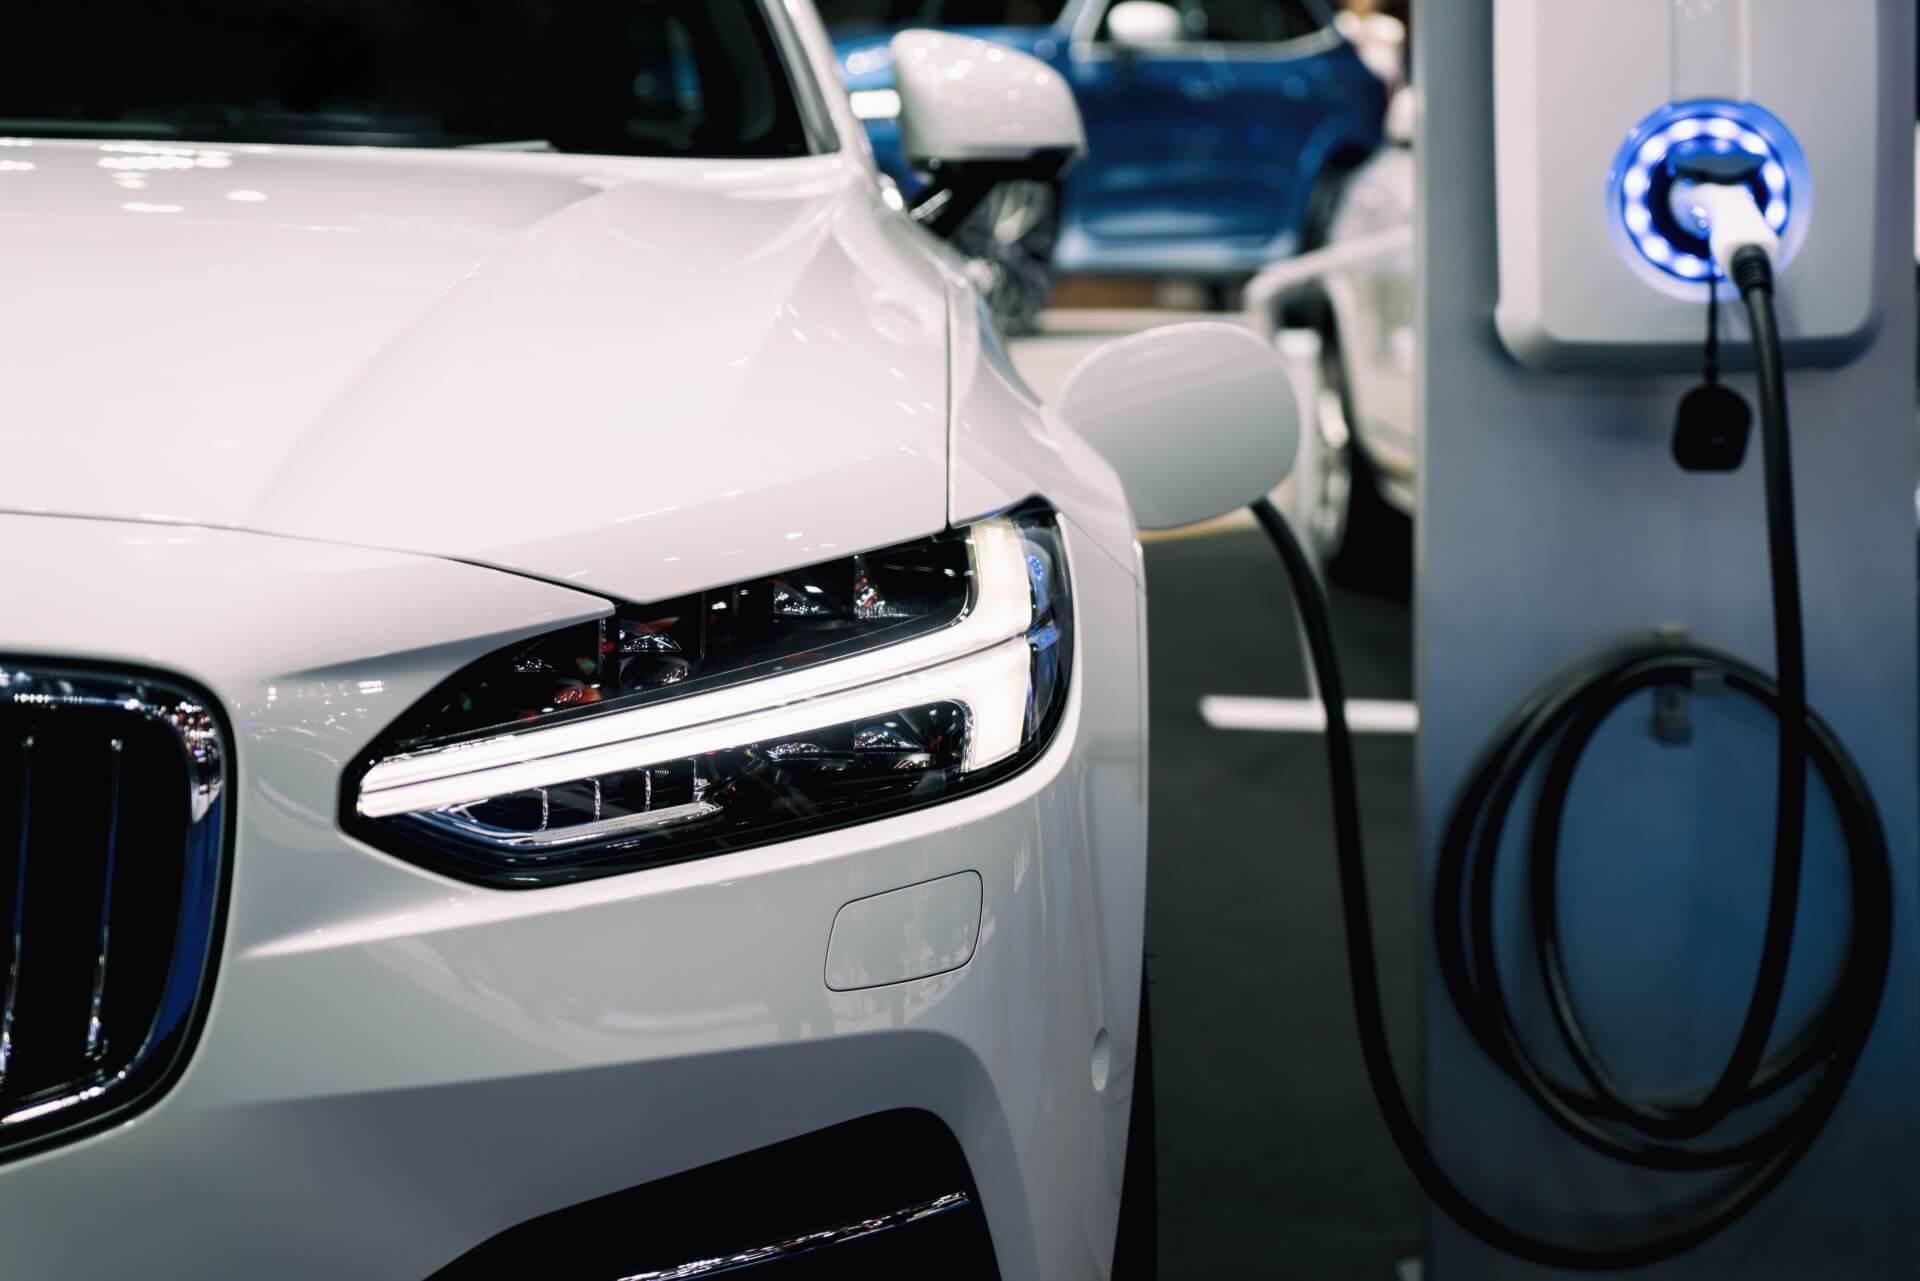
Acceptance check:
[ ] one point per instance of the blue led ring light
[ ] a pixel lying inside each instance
(1641, 187)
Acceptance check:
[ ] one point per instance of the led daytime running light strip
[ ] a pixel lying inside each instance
(982, 662)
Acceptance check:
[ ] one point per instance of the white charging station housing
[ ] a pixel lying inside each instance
(1589, 98)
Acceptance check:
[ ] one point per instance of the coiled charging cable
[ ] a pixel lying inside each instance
(1556, 725)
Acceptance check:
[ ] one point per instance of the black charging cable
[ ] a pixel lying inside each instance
(1555, 726)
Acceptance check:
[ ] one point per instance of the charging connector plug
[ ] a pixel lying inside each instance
(1735, 223)
(1718, 188)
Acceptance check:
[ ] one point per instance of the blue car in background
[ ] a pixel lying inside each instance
(1217, 130)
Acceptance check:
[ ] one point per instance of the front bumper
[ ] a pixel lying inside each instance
(396, 1067)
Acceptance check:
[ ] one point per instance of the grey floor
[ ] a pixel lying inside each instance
(1273, 1161)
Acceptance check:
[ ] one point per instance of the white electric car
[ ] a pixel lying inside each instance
(563, 711)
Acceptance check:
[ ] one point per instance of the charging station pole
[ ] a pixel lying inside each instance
(1554, 523)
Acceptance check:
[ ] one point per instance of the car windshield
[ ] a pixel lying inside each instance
(630, 77)
(857, 17)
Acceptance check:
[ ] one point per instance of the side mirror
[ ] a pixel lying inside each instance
(1401, 110)
(974, 114)
(1199, 419)
(1136, 25)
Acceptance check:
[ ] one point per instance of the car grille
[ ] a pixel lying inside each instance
(112, 863)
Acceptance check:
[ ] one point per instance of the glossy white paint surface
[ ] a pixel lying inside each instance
(1198, 419)
(639, 376)
(905, 934)
(967, 99)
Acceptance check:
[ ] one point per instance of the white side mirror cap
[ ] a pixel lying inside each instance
(964, 100)
(1145, 24)
(1199, 419)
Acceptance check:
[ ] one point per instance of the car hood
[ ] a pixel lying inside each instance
(866, 61)
(639, 377)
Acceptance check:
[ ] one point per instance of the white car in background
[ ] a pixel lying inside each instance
(562, 709)
(1353, 348)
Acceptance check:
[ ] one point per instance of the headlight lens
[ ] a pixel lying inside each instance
(834, 694)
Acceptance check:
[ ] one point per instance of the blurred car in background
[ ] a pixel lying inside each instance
(1219, 132)
(1351, 342)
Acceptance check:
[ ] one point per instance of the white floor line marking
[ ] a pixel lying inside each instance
(1305, 715)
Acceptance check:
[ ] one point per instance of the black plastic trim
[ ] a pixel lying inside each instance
(867, 1169)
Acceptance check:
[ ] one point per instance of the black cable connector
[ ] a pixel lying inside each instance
(1753, 273)
(1556, 725)
(1711, 427)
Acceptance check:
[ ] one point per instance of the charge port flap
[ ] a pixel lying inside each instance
(905, 934)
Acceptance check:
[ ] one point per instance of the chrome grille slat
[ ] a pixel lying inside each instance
(17, 915)
(113, 845)
(96, 1031)
(775, 1253)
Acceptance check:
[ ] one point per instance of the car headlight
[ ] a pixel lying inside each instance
(835, 694)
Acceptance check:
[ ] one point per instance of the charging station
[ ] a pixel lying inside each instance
(1597, 266)
(1562, 307)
